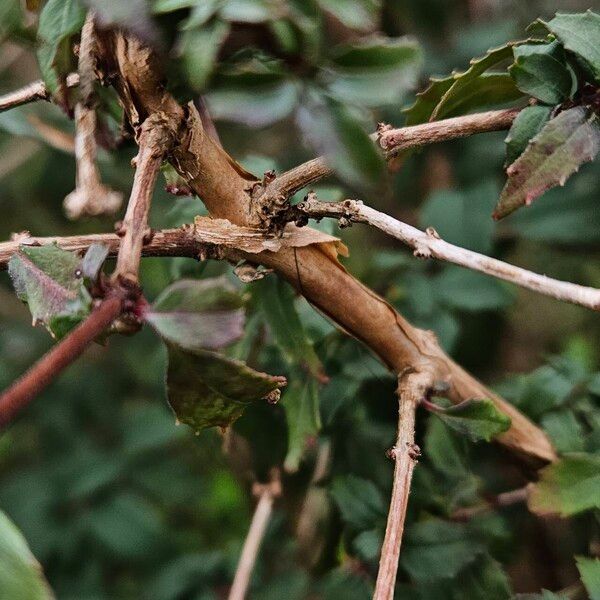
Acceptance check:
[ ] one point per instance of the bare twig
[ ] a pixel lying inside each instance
(154, 142)
(391, 141)
(411, 389)
(428, 244)
(22, 391)
(32, 92)
(501, 500)
(262, 514)
(90, 197)
(403, 138)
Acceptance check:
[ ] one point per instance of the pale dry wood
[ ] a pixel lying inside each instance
(412, 388)
(428, 244)
(154, 141)
(262, 514)
(32, 92)
(314, 270)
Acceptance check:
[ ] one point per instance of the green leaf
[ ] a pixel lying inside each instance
(471, 89)
(484, 579)
(254, 94)
(133, 16)
(477, 419)
(540, 70)
(333, 131)
(206, 389)
(198, 313)
(59, 21)
(375, 72)
(199, 48)
(567, 487)
(565, 431)
(436, 549)
(11, 18)
(589, 570)
(355, 14)
(277, 303)
(48, 279)
(566, 142)
(167, 6)
(93, 260)
(580, 34)
(466, 290)
(544, 595)
(360, 502)
(248, 11)
(527, 125)
(301, 403)
(426, 101)
(21, 576)
(461, 217)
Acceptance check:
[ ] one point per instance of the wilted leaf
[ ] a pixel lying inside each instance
(21, 576)
(580, 33)
(47, 278)
(540, 70)
(477, 419)
(437, 549)
(276, 300)
(206, 389)
(333, 131)
(93, 260)
(589, 570)
(301, 403)
(59, 20)
(375, 72)
(567, 487)
(527, 125)
(360, 502)
(199, 48)
(198, 313)
(566, 142)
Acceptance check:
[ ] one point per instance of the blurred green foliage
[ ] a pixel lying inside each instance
(117, 502)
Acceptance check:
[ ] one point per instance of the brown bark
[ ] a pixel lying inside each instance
(313, 270)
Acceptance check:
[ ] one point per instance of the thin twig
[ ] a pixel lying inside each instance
(154, 142)
(501, 500)
(428, 244)
(32, 92)
(262, 514)
(391, 141)
(412, 389)
(24, 389)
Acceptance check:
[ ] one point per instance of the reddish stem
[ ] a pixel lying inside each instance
(32, 382)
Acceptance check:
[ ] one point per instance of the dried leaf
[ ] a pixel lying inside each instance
(567, 141)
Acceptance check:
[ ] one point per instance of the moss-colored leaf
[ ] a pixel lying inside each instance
(589, 570)
(477, 419)
(206, 389)
(197, 314)
(360, 502)
(562, 146)
(567, 487)
(527, 125)
(93, 260)
(540, 70)
(580, 33)
(21, 576)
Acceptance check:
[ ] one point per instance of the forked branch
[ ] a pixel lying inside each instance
(412, 388)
